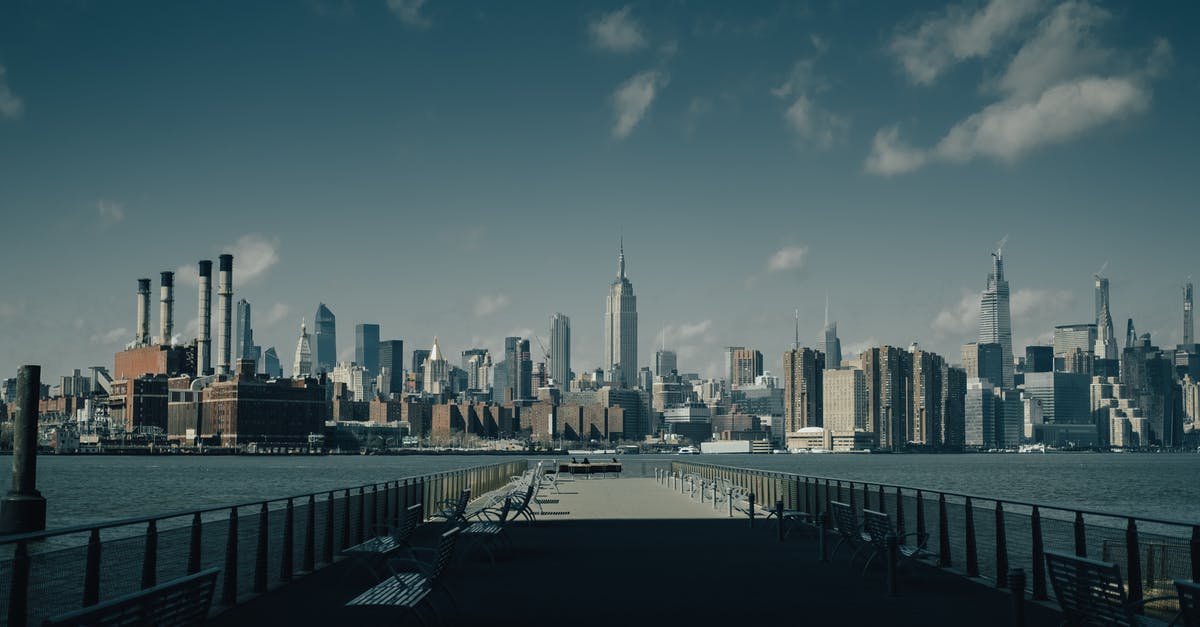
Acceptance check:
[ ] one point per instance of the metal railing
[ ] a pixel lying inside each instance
(987, 537)
(257, 544)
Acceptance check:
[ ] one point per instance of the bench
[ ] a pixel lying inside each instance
(454, 510)
(845, 523)
(387, 541)
(410, 588)
(877, 526)
(183, 601)
(1091, 592)
(1189, 603)
(489, 525)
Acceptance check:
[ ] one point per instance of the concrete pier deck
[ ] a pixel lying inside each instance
(630, 551)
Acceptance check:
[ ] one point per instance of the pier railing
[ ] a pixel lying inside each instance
(257, 545)
(986, 537)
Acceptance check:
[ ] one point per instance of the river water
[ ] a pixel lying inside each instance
(91, 489)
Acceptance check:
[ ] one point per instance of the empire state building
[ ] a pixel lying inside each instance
(620, 328)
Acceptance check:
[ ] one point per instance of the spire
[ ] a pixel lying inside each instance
(796, 339)
(435, 353)
(621, 259)
(826, 309)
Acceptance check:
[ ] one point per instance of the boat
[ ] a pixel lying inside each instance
(688, 450)
(1032, 448)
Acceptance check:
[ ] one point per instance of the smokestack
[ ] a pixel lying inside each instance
(143, 312)
(204, 342)
(167, 310)
(225, 301)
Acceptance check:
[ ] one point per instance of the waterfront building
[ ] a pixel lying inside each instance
(302, 365)
(1110, 402)
(994, 417)
(271, 366)
(665, 362)
(391, 367)
(1066, 408)
(747, 364)
(559, 366)
(139, 403)
(357, 379)
(154, 359)
(1149, 374)
(1039, 359)
(995, 322)
(954, 398)
(845, 400)
(437, 372)
(325, 327)
(245, 409)
(925, 410)
(887, 371)
(690, 420)
(620, 328)
(803, 389)
(366, 347)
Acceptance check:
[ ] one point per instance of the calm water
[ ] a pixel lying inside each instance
(85, 489)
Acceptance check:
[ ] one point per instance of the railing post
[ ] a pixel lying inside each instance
(1080, 537)
(288, 553)
(1001, 548)
(822, 540)
(1195, 551)
(150, 558)
(972, 556)
(851, 490)
(1016, 580)
(881, 507)
(346, 520)
(921, 529)
(310, 535)
(18, 591)
(193, 565)
(839, 490)
(1133, 559)
(893, 557)
(374, 510)
(229, 574)
(91, 573)
(1039, 556)
(899, 512)
(260, 557)
(779, 519)
(750, 499)
(362, 516)
(866, 504)
(327, 532)
(943, 532)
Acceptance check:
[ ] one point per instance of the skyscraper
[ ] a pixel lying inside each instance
(302, 366)
(887, 372)
(1188, 327)
(366, 347)
(524, 371)
(560, 351)
(325, 324)
(1106, 344)
(620, 328)
(995, 322)
(803, 389)
(243, 334)
(729, 350)
(391, 366)
(833, 346)
(437, 371)
(270, 366)
(664, 362)
(747, 364)
(1101, 295)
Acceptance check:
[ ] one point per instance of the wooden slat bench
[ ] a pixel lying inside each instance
(409, 589)
(1091, 592)
(183, 601)
(388, 541)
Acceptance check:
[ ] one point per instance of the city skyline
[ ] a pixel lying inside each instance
(746, 187)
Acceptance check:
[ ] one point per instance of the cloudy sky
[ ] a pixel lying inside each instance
(465, 169)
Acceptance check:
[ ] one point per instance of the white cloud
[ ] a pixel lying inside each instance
(632, 100)
(110, 211)
(814, 124)
(1028, 303)
(1052, 91)
(787, 258)
(959, 34)
(959, 318)
(105, 338)
(852, 350)
(277, 312)
(253, 255)
(11, 107)
(488, 304)
(687, 331)
(616, 32)
(409, 12)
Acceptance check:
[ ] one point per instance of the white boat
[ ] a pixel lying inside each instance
(1032, 448)
(688, 450)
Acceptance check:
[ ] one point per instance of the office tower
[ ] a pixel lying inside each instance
(468, 354)
(747, 365)
(560, 351)
(1065, 397)
(984, 361)
(1039, 359)
(478, 365)
(665, 362)
(995, 322)
(243, 347)
(994, 418)
(1072, 336)
(954, 396)
(225, 305)
(833, 346)
(366, 347)
(391, 366)
(729, 351)
(271, 366)
(1130, 334)
(803, 388)
(925, 397)
(437, 371)
(1101, 295)
(1188, 327)
(325, 327)
(886, 369)
(844, 398)
(1106, 343)
(524, 370)
(620, 328)
(419, 355)
(646, 379)
(302, 366)
(501, 389)
(204, 339)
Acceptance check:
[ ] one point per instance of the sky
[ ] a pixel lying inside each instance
(466, 169)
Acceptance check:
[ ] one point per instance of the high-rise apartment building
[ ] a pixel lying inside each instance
(925, 412)
(995, 321)
(887, 373)
(560, 351)
(437, 371)
(524, 371)
(243, 342)
(747, 366)
(803, 389)
(954, 398)
(844, 398)
(366, 347)
(620, 328)
(833, 346)
(984, 361)
(325, 336)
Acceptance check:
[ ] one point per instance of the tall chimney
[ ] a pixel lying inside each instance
(225, 296)
(167, 310)
(143, 312)
(204, 342)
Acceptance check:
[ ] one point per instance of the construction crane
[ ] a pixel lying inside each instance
(545, 356)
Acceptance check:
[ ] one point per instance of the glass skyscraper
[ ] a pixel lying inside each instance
(560, 351)
(366, 347)
(995, 321)
(325, 325)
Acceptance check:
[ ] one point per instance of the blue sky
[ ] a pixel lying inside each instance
(466, 169)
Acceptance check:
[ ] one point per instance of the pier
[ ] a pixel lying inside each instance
(647, 545)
